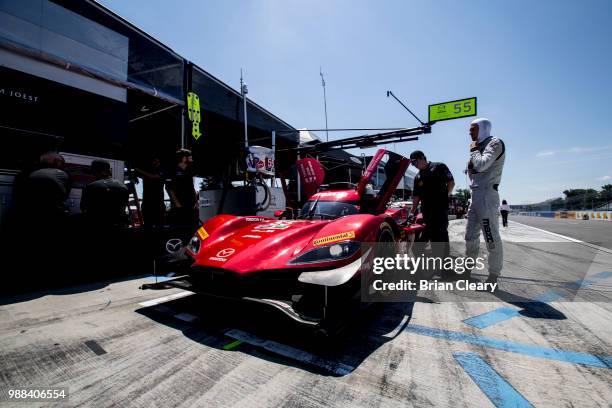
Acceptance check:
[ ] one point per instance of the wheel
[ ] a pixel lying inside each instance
(385, 233)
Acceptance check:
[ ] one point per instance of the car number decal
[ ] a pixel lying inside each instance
(333, 238)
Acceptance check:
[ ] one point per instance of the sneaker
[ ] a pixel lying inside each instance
(492, 279)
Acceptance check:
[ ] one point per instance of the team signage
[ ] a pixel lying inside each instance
(452, 110)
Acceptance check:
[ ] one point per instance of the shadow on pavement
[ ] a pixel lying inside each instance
(363, 333)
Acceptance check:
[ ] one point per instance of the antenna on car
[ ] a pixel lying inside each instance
(389, 93)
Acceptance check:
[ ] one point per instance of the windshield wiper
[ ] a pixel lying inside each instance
(312, 209)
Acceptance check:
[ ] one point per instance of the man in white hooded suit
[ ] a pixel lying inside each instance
(487, 156)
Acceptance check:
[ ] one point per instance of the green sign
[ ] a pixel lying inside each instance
(452, 110)
(193, 109)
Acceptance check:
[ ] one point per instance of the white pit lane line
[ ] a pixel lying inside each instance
(290, 352)
(597, 247)
(165, 299)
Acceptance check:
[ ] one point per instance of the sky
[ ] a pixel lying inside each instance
(542, 73)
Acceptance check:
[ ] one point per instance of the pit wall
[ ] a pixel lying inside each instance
(572, 215)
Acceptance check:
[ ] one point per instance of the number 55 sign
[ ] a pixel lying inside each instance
(452, 110)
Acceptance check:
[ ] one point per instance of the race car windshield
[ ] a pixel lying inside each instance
(327, 210)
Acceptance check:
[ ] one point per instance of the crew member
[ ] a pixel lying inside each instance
(153, 207)
(487, 156)
(104, 200)
(504, 210)
(41, 195)
(183, 198)
(433, 186)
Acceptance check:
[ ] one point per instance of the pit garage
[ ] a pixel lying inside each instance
(98, 87)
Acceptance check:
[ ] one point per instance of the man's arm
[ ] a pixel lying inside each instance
(172, 195)
(481, 162)
(416, 194)
(450, 180)
(450, 185)
(415, 203)
(146, 174)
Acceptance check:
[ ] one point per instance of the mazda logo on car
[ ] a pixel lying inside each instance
(174, 245)
(224, 253)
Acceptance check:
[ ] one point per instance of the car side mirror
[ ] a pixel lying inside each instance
(279, 213)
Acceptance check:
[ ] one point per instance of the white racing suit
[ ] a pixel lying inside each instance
(487, 161)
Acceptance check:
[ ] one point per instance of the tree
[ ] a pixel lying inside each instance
(463, 196)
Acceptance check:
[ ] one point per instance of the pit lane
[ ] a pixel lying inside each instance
(113, 344)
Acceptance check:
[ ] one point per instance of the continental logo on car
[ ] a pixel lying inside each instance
(334, 238)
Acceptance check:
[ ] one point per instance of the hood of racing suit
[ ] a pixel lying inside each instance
(484, 128)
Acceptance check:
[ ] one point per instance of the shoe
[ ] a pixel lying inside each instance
(492, 279)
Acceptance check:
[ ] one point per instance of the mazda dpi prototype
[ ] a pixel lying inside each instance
(311, 267)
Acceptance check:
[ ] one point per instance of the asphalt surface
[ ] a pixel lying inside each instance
(112, 344)
(595, 232)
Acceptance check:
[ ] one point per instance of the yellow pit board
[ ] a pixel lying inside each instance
(452, 110)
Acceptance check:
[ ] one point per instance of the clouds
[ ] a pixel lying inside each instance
(604, 178)
(573, 150)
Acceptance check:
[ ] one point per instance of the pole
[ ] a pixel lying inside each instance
(299, 184)
(274, 156)
(244, 91)
(324, 104)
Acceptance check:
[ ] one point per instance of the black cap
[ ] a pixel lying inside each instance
(417, 154)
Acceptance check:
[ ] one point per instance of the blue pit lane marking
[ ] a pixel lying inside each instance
(160, 278)
(573, 357)
(501, 393)
(504, 313)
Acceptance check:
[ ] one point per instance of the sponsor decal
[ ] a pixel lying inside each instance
(202, 233)
(173, 245)
(338, 195)
(254, 219)
(19, 94)
(251, 236)
(333, 238)
(486, 226)
(277, 225)
(222, 255)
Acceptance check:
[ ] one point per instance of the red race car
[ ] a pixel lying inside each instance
(310, 267)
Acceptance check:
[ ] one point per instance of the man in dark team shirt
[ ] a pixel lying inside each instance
(433, 186)
(182, 193)
(153, 206)
(104, 201)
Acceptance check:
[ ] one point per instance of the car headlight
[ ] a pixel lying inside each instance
(333, 252)
(194, 244)
(196, 240)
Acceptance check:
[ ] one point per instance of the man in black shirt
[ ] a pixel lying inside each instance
(183, 198)
(104, 200)
(153, 206)
(433, 186)
(40, 194)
